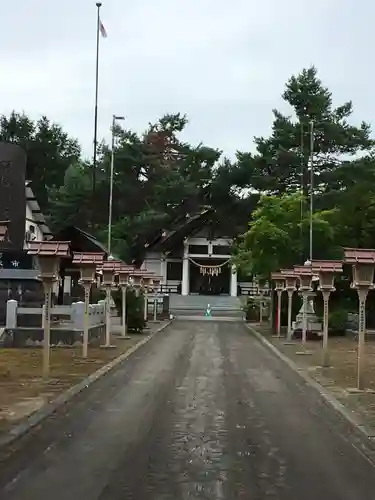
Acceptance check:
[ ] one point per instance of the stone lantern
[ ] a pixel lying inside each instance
(87, 263)
(279, 280)
(48, 255)
(304, 274)
(326, 270)
(290, 286)
(124, 274)
(363, 265)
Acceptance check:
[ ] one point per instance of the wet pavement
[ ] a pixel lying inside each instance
(203, 411)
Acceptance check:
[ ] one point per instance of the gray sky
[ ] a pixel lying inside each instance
(222, 62)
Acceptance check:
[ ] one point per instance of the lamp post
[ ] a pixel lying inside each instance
(123, 276)
(326, 269)
(279, 280)
(48, 254)
(87, 263)
(304, 275)
(290, 286)
(363, 265)
(114, 119)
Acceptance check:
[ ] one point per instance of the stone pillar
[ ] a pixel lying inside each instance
(233, 282)
(185, 271)
(11, 318)
(67, 288)
(163, 271)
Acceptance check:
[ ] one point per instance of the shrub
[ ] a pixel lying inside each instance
(134, 309)
(337, 321)
(252, 309)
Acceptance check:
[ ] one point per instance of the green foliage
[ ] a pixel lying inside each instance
(337, 320)
(277, 164)
(134, 309)
(158, 178)
(273, 240)
(252, 309)
(50, 151)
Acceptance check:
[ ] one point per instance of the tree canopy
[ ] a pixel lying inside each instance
(262, 195)
(343, 181)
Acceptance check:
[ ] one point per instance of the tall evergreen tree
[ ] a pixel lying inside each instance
(281, 161)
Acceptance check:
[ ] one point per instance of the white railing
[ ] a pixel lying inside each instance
(73, 315)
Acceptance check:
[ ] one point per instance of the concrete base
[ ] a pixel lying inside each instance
(355, 390)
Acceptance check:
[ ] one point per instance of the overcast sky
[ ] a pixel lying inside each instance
(222, 62)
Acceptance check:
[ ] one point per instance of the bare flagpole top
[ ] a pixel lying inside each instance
(98, 4)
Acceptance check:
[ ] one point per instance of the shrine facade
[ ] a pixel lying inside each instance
(194, 260)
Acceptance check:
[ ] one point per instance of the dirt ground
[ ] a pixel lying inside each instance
(22, 388)
(341, 377)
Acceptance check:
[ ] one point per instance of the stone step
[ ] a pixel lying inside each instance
(214, 312)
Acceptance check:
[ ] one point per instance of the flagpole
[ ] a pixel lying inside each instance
(98, 5)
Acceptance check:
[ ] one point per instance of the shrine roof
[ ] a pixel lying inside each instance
(49, 248)
(81, 241)
(85, 258)
(189, 225)
(359, 255)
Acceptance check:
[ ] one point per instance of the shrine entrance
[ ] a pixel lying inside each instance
(209, 276)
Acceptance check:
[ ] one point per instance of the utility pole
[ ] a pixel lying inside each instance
(311, 187)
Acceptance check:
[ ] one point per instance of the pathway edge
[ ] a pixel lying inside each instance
(38, 416)
(327, 396)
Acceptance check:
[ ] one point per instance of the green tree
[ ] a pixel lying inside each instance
(273, 239)
(50, 151)
(280, 159)
(158, 178)
(71, 203)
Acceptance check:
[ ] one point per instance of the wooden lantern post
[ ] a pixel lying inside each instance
(109, 269)
(123, 277)
(261, 290)
(290, 286)
(87, 263)
(48, 255)
(156, 286)
(147, 283)
(363, 265)
(279, 280)
(304, 274)
(326, 270)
